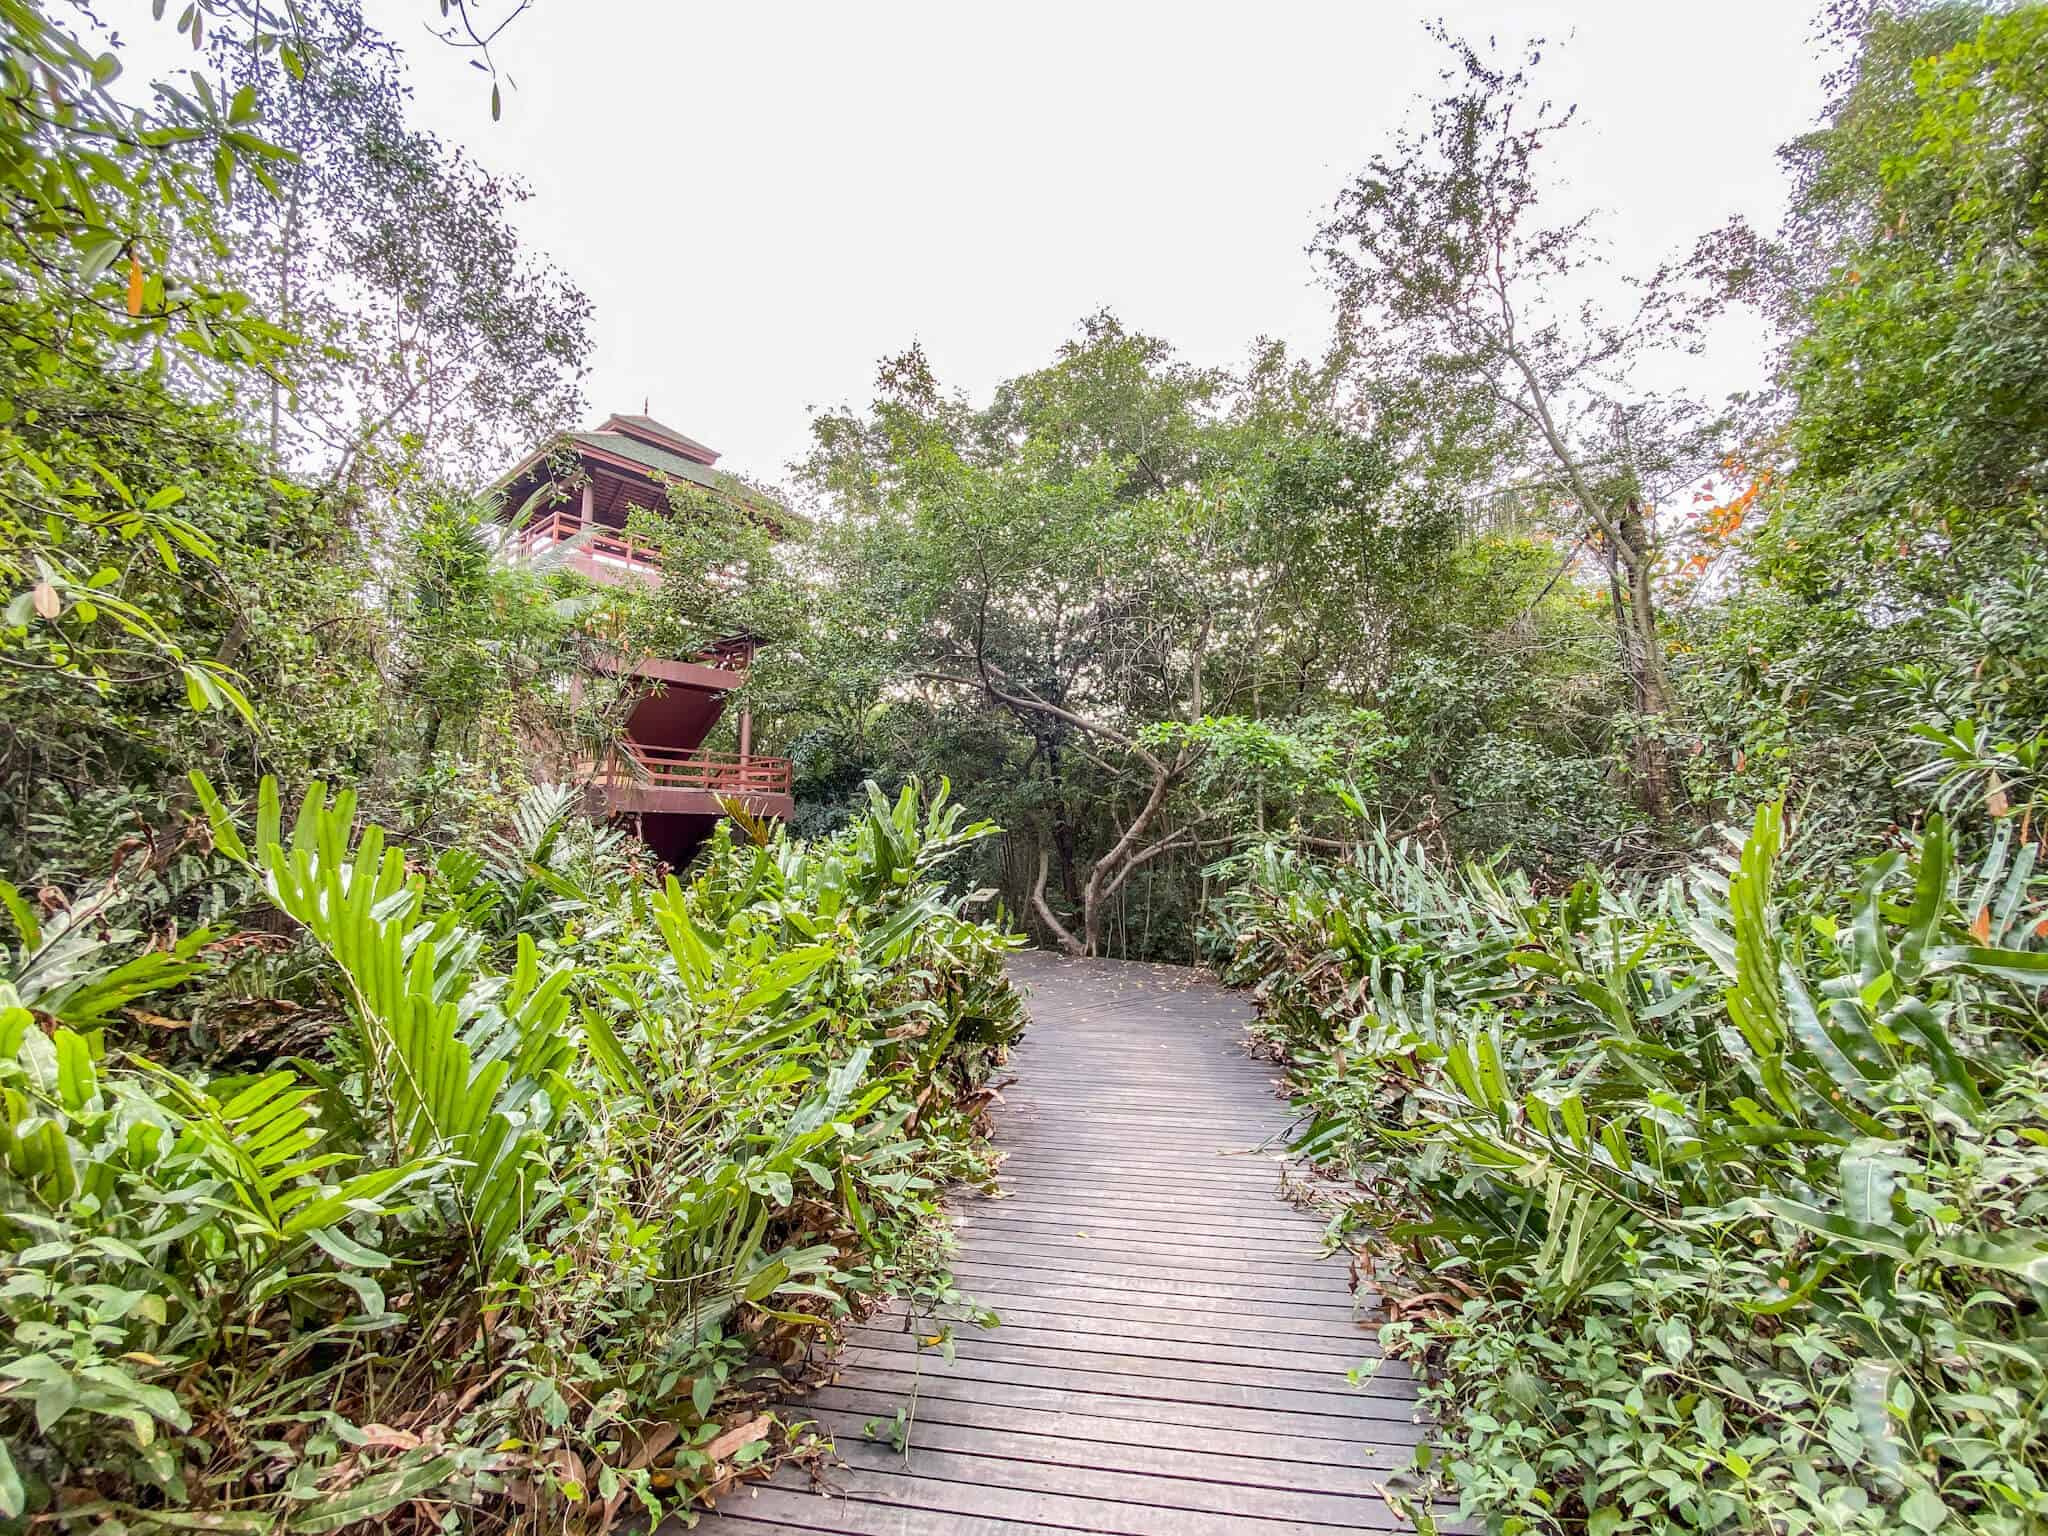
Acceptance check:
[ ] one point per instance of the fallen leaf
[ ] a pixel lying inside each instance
(154, 1020)
(391, 1439)
(745, 1434)
(46, 601)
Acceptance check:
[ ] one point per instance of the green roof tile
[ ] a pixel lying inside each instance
(674, 465)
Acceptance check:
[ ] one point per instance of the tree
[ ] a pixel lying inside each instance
(1451, 285)
(1117, 541)
(1896, 571)
(430, 331)
(1042, 562)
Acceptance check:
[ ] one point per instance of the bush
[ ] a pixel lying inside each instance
(588, 1174)
(1718, 1208)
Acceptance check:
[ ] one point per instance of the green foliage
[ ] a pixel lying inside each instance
(593, 1172)
(1303, 770)
(1747, 1188)
(151, 558)
(1897, 572)
(1114, 541)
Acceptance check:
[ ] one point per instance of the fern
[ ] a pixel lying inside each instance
(460, 1066)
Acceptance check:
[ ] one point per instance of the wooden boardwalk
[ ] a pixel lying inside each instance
(1173, 1354)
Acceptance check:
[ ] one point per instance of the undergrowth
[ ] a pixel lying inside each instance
(580, 1176)
(1701, 1207)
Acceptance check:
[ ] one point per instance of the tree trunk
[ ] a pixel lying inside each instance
(1643, 653)
(1063, 840)
(1635, 614)
(1059, 930)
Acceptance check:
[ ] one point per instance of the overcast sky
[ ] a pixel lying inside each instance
(764, 199)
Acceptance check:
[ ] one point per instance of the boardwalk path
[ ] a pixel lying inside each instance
(1173, 1355)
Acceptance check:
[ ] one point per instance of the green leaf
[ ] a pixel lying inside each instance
(1868, 1176)
(25, 921)
(13, 1499)
(344, 1249)
(376, 1495)
(1924, 1509)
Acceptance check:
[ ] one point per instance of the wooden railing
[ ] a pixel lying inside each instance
(728, 655)
(718, 773)
(601, 544)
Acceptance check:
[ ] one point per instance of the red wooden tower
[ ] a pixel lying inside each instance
(570, 500)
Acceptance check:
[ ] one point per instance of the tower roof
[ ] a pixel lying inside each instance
(646, 429)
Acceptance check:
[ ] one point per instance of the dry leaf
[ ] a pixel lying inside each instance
(134, 283)
(150, 1020)
(46, 601)
(659, 1439)
(391, 1439)
(745, 1434)
(1980, 930)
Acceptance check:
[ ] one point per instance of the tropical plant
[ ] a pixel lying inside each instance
(1725, 1208)
(595, 1207)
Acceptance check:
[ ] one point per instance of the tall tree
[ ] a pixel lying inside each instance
(1116, 542)
(1451, 280)
(431, 331)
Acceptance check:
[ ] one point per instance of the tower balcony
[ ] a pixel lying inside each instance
(608, 556)
(642, 779)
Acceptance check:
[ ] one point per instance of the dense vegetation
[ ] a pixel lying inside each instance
(429, 1149)
(582, 1171)
(1720, 1202)
(1716, 1207)
(469, 1172)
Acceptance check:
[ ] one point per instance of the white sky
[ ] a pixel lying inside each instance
(763, 199)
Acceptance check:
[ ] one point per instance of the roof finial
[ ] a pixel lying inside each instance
(644, 399)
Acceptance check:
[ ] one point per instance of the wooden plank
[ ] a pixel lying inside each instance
(1175, 1349)
(1126, 1164)
(1304, 1336)
(1011, 1442)
(1070, 1243)
(938, 1486)
(1116, 1207)
(1270, 1352)
(1176, 1362)
(1167, 1269)
(1182, 1236)
(779, 1511)
(1166, 1413)
(1383, 1403)
(1211, 1285)
(1216, 1494)
(1369, 1447)
(1302, 1318)
(1259, 1212)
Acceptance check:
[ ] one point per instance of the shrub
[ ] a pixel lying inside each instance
(1718, 1208)
(584, 1180)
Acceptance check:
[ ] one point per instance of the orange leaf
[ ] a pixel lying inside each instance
(1980, 930)
(744, 1434)
(134, 283)
(46, 601)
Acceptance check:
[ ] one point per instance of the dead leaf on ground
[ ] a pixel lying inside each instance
(741, 1435)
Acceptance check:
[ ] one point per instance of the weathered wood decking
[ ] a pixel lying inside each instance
(1173, 1355)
